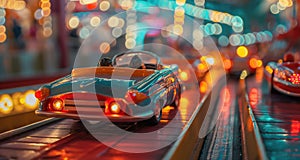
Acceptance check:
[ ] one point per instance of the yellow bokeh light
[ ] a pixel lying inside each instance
(121, 23)
(180, 2)
(242, 51)
(45, 4)
(203, 87)
(183, 76)
(269, 69)
(113, 21)
(104, 47)
(126, 4)
(18, 101)
(2, 37)
(244, 74)
(178, 29)
(104, 6)
(259, 63)
(19, 5)
(285, 3)
(85, 2)
(202, 67)
(6, 104)
(73, 22)
(130, 43)
(46, 12)
(179, 11)
(30, 101)
(95, 21)
(179, 20)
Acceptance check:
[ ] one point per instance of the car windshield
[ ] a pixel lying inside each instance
(126, 59)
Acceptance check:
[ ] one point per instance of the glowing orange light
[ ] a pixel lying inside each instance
(242, 51)
(227, 64)
(253, 63)
(2, 29)
(57, 105)
(115, 108)
(201, 67)
(46, 11)
(203, 86)
(295, 78)
(2, 37)
(104, 47)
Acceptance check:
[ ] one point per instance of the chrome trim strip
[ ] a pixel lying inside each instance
(69, 102)
(82, 108)
(114, 118)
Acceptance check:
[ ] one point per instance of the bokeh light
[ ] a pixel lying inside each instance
(104, 6)
(3, 37)
(242, 51)
(227, 64)
(30, 101)
(95, 21)
(73, 22)
(130, 43)
(223, 41)
(113, 21)
(104, 47)
(6, 104)
(117, 32)
(84, 33)
(183, 76)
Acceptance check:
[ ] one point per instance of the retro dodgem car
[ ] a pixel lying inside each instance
(133, 86)
(284, 77)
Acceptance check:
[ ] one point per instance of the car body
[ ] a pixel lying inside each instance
(118, 92)
(284, 77)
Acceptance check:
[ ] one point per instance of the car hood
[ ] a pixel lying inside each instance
(107, 87)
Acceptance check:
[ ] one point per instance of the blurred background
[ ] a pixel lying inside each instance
(42, 37)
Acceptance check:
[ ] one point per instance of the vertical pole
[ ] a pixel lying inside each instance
(59, 11)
